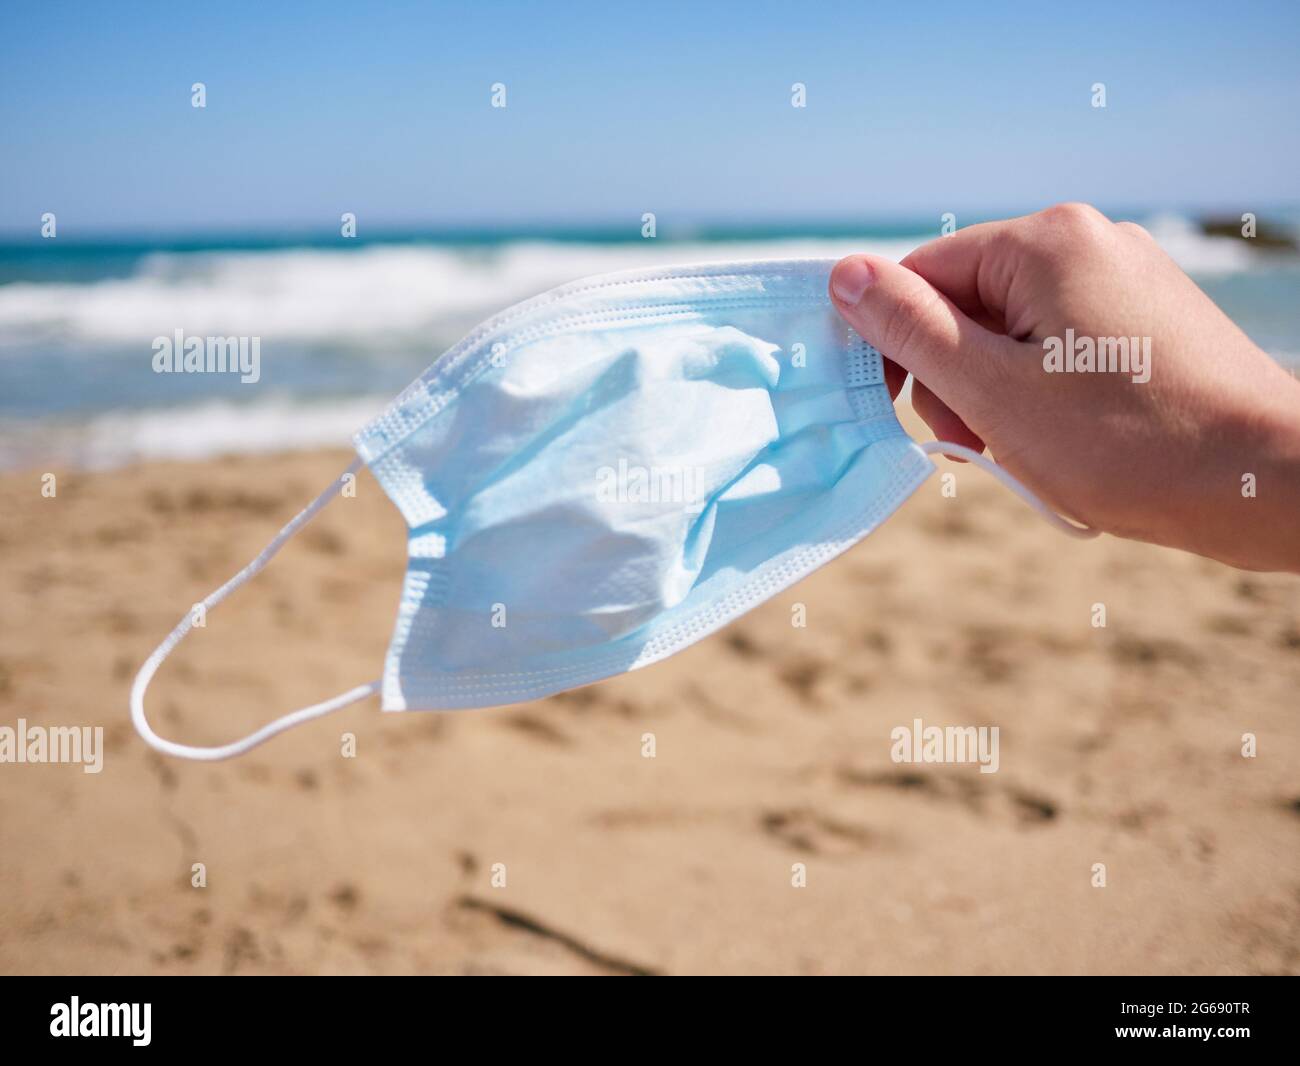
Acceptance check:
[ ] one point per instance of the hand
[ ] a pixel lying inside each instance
(978, 318)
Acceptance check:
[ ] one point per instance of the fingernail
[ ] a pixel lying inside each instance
(851, 278)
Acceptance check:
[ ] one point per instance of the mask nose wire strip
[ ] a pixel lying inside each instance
(1011, 482)
(288, 721)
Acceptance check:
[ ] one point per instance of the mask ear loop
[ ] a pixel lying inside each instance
(1011, 482)
(288, 721)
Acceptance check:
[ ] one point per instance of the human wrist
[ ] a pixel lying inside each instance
(1278, 484)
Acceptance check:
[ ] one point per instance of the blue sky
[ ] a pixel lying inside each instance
(614, 110)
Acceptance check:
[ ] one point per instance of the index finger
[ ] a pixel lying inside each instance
(966, 268)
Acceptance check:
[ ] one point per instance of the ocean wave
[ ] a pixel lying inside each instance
(396, 305)
(187, 433)
(1199, 254)
(368, 297)
(376, 295)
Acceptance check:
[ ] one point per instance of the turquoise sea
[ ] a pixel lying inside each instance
(346, 323)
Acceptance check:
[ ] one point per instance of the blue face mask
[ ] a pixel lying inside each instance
(603, 475)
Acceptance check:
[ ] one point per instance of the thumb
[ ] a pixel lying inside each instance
(908, 320)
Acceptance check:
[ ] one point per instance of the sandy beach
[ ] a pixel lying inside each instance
(1120, 745)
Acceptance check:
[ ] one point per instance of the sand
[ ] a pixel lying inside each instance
(1118, 745)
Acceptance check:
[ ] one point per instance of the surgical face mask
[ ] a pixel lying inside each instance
(603, 475)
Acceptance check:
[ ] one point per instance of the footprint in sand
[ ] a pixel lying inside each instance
(974, 792)
(810, 832)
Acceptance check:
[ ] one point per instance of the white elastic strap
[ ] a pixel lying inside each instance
(1011, 482)
(288, 721)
